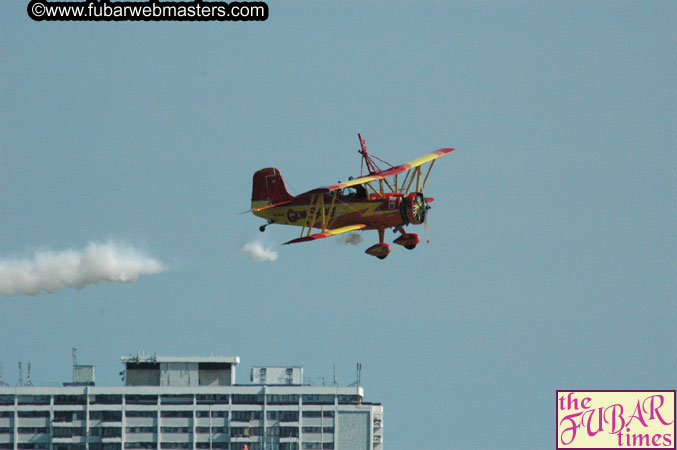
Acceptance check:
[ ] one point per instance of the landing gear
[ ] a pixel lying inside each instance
(407, 240)
(262, 228)
(380, 250)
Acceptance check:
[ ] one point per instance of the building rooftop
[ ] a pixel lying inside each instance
(180, 359)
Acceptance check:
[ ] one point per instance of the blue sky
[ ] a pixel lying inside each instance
(552, 255)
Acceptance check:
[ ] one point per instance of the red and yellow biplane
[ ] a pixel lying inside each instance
(380, 199)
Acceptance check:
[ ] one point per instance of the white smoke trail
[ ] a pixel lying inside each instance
(258, 252)
(50, 271)
(352, 238)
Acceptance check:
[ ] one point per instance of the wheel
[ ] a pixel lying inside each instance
(410, 247)
(382, 257)
(262, 228)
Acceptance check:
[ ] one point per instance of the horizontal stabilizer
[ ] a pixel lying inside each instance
(265, 207)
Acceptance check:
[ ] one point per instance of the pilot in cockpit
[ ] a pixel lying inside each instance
(354, 192)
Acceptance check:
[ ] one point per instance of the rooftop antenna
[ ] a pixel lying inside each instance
(21, 376)
(334, 383)
(28, 376)
(358, 381)
(2, 383)
(74, 353)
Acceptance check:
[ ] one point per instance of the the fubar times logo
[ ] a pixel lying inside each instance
(616, 420)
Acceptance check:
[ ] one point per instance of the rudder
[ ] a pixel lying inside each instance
(268, 186)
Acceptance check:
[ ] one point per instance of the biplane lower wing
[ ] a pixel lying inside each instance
(327, 233)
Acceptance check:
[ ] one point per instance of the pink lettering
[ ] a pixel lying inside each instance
(572, 427)
(617, 421)
(653, 409)
(590, 413)
(637, 414)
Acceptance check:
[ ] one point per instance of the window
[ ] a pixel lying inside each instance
(247, 399)
(6, 400)
(185, 414)
(289, 416)
(245, 431)
(141, 399)
(214, 413)
(68, 431)
(247, 446)
(112, 431)
(175, 445)
(105, 431)
(6, 414)
(106, 400)
(140, 430)
(283, 416)
(215, 430)
(326, 445)
(348, 399)
(33, 413)
(70, 400)
(289, 446)
(152, 445)
(33, 399)
(212, 399)
(318, 413)
(106, 416)
(274, 399)
(317, 399)
(141, 414)
(175, 429)
(246, 416)
(177, 399)
(33, 430)
(63, 416)
(287, 431)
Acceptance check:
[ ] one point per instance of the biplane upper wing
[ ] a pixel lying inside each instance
(386, 173)
(327, 233)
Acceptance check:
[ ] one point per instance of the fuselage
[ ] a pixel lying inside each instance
(375, 212)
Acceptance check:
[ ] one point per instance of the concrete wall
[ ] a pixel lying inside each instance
(353, 430)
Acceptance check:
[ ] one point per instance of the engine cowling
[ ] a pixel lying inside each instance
(414, 208)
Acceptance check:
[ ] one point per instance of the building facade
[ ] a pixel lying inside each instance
(190, 403)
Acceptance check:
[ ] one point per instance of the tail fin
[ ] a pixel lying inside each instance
(268, 186)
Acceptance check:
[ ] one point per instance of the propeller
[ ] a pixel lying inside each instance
(415, 210)
(420, 208)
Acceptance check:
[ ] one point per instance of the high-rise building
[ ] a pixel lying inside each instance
(189, 403)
